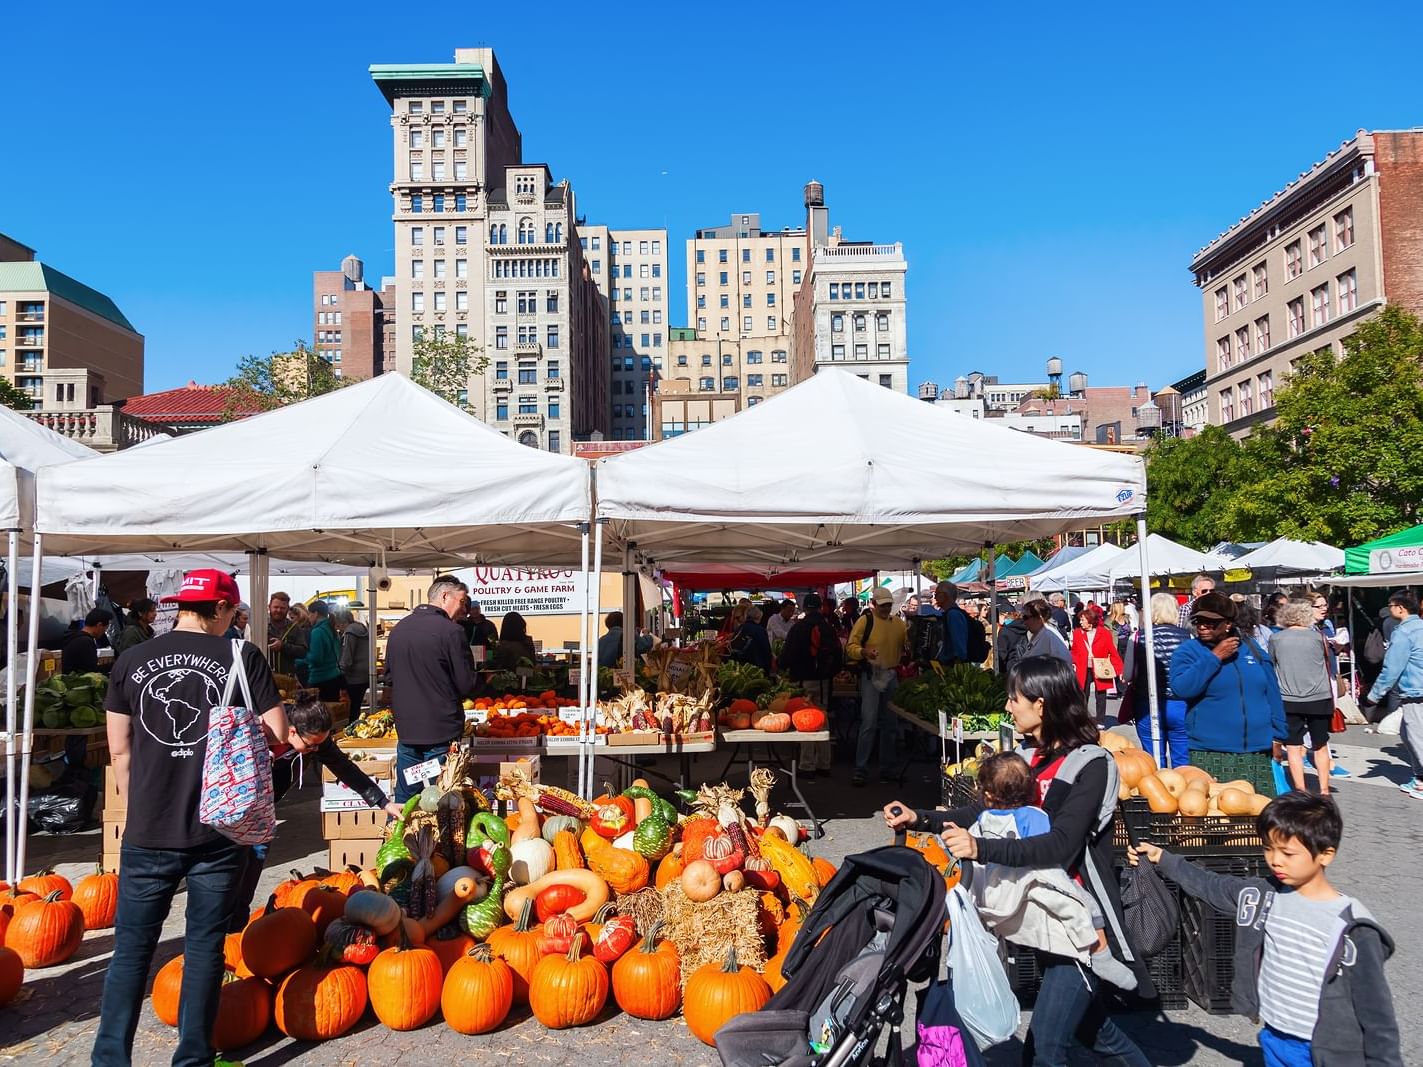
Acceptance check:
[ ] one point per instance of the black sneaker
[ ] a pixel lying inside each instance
(859, 779)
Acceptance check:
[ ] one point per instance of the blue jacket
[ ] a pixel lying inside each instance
(323, 657)
(1233, 706)
(1403, 662)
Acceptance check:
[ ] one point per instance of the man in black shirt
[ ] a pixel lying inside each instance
(81, 650)
(160, 696)
(431, 673)
(480, 631)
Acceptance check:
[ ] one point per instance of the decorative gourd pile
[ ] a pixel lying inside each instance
(781, 714)
(560, 907)
(1187, 791)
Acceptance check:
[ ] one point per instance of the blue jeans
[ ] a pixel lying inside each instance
(1069, 1010)
(1173, 734)
(253, 862)
(874, 712)
(1283, 1050)
(409, 756)
(148, 878)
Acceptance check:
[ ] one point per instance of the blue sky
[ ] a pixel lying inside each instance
(1050, 169)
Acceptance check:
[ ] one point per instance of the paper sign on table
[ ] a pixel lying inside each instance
(624, 678)
(575, 676)
(943, 725)
(422, 772)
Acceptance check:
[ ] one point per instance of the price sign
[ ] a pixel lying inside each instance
(573, 715)
(422, 772)
(944, 725)
(478, 716)
(624, 678)
(1005, 737)
(958, 730)
(575, 676)
(480, 653)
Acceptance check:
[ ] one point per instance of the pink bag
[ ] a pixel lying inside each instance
(237, 799)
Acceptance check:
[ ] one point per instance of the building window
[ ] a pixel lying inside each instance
(551, 302)
(725, 324)
(753, 381)
(1222, 351)
(439, 268)
(1242, 343)
(706, 360)
(461, 268)
(746, 326)
(1262, 334)
(1246, 398)
(1318, 247)
(438, 200)
(415, 107)
(1222, 303)
(460, 106)
(837, 351)
(837, 323)
(1347, 287)
(417, 301)
(437, 107)
(555, 441)
(1241, 292)
(721, 255)
(417, 137)
(461, 329)
(883, 351)
(501, 301)
(701, 302)
(552, 337)
(1320, 300)
(754, 356)
(706, 385)
(462, 300)
(501, 370)
(859, 322)
(730, 385)
(795, 254)
(417, 174)
(501, 408)
(438, 233)
(795, 277)
(1267, 390)
(887, 380)
(723, 278)
(461, 235)
(417, 268)
(1294, 262)
(501, 337)
(1344, 229)
(528, 405)
(745, 277)
(725, 300)
(746, 300)
(778, 355)
(681, 361)
(461, 134)
(440, 300)
(461, 199)
(770, 299)
(701, 255)
(1227, 405)
(862, 351)
(1295, 317)
(525, 233)
(702, 323)
(778, 379)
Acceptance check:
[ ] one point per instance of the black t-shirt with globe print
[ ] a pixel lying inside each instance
(168, 685)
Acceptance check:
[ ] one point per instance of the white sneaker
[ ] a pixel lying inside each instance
(1416, 794)
(1411, 786)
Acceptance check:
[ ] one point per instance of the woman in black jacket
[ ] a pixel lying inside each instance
(1077, 787)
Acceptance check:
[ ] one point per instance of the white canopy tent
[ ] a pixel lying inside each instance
(1166, 557)
(379, 473)
(1087, 571)
(1303, 557)
(901, 481)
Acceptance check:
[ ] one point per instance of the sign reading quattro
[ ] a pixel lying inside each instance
(528, 591)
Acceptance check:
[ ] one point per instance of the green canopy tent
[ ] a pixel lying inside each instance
(1026, 564)
(1401, 551)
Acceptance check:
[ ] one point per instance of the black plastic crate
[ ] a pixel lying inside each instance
(959, 790)
(1209, 937)
(1208, 835)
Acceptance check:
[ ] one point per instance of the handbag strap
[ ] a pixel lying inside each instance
(238, 673)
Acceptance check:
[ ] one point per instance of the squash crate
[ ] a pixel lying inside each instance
(1209, 936)
(1166, 969)
(1207, 836)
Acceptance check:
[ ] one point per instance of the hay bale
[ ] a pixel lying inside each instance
(704, 933)
(646, 907)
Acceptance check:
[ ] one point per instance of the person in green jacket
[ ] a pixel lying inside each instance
(323, 656)
(142, 613)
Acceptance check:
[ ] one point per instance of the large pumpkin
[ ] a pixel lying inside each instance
(279, 941)
(520, 946)
(97, 895)
(46, 932)
(12, 974)
(324, 903)
(318, 1002)
(244, 1012)
(568, 990)
(478, 992)
(450, 948)
(718, 992)
(167, 990)
(46, 882)
(404, 986)
(808, 719)
(7, 912)
(647, 981)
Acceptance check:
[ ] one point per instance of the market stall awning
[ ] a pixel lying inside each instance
(1166, 557)
(726, 576)
(899, 480)
(1401, 551)
(25, 447)
(1090, 570)
(1304, 557)
(380, 471)
(1026, 564)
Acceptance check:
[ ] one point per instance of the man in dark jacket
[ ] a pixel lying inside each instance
(430, 675)
(81, 648)
(480, 631)
(813, 656)
(751, 644)
(286, 639)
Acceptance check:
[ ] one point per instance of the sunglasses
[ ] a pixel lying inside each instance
(1202, 620)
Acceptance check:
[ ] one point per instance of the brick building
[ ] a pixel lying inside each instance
(1300, 271)
(349, 327)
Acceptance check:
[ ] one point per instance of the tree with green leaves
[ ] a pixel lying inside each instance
(1189, 485)
(15, 398)
(1340, 464)
(445, 362)
(264, 383)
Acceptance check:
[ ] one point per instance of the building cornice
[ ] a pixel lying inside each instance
(429, 79)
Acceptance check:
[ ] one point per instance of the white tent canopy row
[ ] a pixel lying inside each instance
(1087, 571)
(1166, 557)
(1304, 557)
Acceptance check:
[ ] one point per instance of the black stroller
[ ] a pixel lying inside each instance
(885, 912)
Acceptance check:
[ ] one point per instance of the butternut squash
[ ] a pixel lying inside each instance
(1235, 801)
(595, 891)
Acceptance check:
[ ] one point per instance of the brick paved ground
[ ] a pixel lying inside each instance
(53, 1020)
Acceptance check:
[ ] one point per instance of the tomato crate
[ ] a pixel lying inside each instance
(1210, 835)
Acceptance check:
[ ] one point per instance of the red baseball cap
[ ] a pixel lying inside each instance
(206, 584)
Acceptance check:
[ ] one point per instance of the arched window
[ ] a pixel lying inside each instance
(558, 232)
(529, 438)
(503, 233)
(526, 231)
(494, 235)
(548, 233)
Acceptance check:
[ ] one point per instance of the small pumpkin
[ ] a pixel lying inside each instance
(404, 986)
(519, 947)
(824, 870)
(347, 881)
(614, 938)
(289, 891)
(319, 1001)
(47, 931)
(560, 931)
(700, 882)
(12, 974)
(742, 706)
(808, 719)
(281, 940)
(372, 908)
(568, 990)
(776, 722)
(669, 869)
(97, 895)
(46, 882)
(717, 993)
(556, 824)
(478, 992)
(647, 981)
(324, 903)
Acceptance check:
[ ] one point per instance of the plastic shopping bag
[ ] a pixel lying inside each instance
(982, 995)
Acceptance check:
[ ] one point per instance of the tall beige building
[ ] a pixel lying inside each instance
(1300, 271)
(630, 269)
(485, 248)
(68, 346)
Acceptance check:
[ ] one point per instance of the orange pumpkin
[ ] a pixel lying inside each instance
(717, 993)
(808, 719)
(46, 882)
(451, 949)
(323, 903)
(824, 870)
(668, 870)
(647, 979)
(12, 975)
(7, 912)
(244, 1011)
(97, 895)
(318, 1002)
(46, 932)
(568, 990)
(347, 881)
(478, 992)
(167, 988)
(520, 947)
(281, 940)
(774, 723)
(404, 985)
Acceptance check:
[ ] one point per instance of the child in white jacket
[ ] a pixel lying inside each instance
(1041, 908)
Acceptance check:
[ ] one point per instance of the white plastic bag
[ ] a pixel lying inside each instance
(982, 994)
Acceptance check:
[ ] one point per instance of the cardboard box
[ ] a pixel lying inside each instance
(111, 861)
(360, 851)
(635, 737)
(338, 797)
(111, 800)
(348, 825)
(487, 770)
(113, 834)
(377, 765)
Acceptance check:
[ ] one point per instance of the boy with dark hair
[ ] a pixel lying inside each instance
(1309, 961)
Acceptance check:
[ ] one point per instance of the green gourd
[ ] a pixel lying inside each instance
(663, 807)
(395, 850)
(486, 826)
(481, 918)
(653, 837)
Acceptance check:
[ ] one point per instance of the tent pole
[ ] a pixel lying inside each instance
(372, 625)
(1151, 695)
(992, 595)
(12, 642)
(32, 662)
(583, 665)
(1353, 645)
(591, 711)
(631, 618)
(261, 597)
